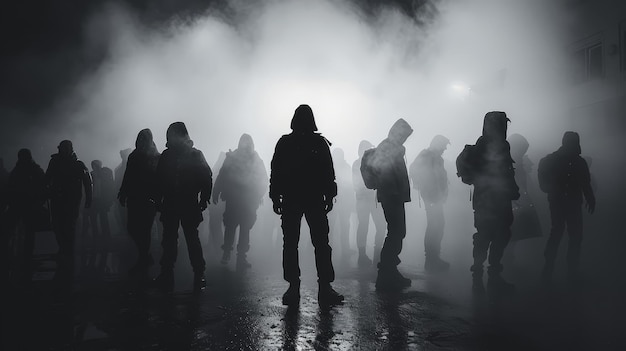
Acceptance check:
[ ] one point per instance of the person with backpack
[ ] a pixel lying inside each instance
(302, 183)
(488, 166)
(365, 208)
(183, 187)
(431, 181)
(392, 191)
(564, 176)
(241, 184)
(66, 177)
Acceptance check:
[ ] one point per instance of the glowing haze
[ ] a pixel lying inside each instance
(247, 74)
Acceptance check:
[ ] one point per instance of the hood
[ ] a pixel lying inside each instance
(303, 120)
(24, 156)
(495, 125)
(571, 143)
(364, 145)
(439, 142)
(246, 144)
(338, 154)
(145, 141)
(400, 131)
(519, 145)
(177, 135)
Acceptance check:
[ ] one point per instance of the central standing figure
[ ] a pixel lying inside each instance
(302, 183)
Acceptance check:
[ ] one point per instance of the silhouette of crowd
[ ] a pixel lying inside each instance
(307, 180)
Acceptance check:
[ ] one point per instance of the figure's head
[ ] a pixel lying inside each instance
(66, 148)
(495, 125)
(96, 165)
(303, 120)
(246, 144)
(145, 140)
(338, 154)
(24, 155)
(439, 144)
(364, 145)
(177, 135)
(400, 131)
(571, 143)
(519, 145)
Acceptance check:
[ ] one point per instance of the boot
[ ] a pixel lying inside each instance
(225, 257)
(199, 282)
(391, 280)
(434, 264)
(292, 295)
(242, 262)
(165, 280)
(327, 296)
(497, 285)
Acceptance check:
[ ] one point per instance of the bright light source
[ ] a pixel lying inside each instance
(460, 90)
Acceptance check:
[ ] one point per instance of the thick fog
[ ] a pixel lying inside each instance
(245, 71)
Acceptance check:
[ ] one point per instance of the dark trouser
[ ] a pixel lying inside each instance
(562, 215)
(240, 215)
(318, 224)
(434, 229)
(216, 228)
(493, 225)
(140, 219)
(64, 216)
(364, 209)
(189, 222)
(396, 231)
(18, 228)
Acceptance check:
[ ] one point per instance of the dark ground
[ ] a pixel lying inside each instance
(242, 310)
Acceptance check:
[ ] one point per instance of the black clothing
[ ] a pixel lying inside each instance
(302, 183)
(494, 189)
(366, 207)
(182, 174)
(241, 183)
(564, 175)
(393, 191)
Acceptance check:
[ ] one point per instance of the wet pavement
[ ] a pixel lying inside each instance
(242, 310)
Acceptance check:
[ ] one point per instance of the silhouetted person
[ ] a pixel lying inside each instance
(366, 207)
(137, 194)
(392, 192)
(302, 182)
(494, 190)
(431, 181)
(25, 200)
(103, 196)
(241, 183)
(564, 175)
(526, 223)
(339, 218)
(182, 175)
(120, 213)
(66, 177)
(216, 216)
(4, 178)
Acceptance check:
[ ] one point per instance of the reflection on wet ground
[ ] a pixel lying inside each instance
(243, 311)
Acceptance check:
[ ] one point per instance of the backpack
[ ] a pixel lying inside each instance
(545, 174)
(466, 164)
(368, 170)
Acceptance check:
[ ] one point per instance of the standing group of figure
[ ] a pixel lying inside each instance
(178, 183)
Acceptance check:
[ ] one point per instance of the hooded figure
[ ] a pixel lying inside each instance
(241, 183)
(366, 207)
(302, 183)
(66, 177)
(137, 194)
(182, 175)
(494, 189)
(431, 180)
(393, 191)
(565, 176)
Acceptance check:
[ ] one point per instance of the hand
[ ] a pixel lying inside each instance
(203, 204)
(591, 207)
(277, 206)
(328, 204)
